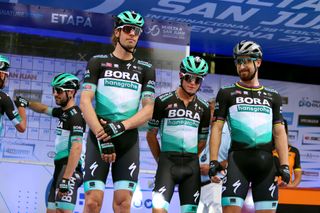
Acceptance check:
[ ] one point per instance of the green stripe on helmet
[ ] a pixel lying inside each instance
(130, 17)
(4, 63)
(194, 65)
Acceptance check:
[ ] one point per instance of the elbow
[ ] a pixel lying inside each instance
(21, 128)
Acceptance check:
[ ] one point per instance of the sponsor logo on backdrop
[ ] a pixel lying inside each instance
(153, 30)
(311, 139)
(31, 95)
(310, 174)
(23, 76)
(309, 120)
(313, 156)
(306, 102)
(51, 154)
(293, 136)
(288, 116)
(17, 150)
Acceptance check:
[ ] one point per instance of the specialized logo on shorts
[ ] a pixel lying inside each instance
(132, 167)
(162, 190)
(272, 188)
(93, 168)
(236, 186)
(196, 196)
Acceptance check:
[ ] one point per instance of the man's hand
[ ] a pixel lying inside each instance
(21, 102)
(63, 186)
(215, 167)
(107, 151)
(114, 129)
(284, 173)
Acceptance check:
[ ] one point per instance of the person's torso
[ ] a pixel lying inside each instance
(119, 86)
(66, 125)
(179, 123)
(7, 107)
(250, 115)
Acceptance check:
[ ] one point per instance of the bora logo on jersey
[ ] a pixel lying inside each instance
(173, 113)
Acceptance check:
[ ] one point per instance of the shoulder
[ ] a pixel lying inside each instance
(144, 64)
(203, 102)
(165, 96)
(271, 90)
(229, 86)
(98, 58)
(4, 96)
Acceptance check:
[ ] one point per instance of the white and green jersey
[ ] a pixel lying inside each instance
(70, 129)
(118, 85)
(181, 127)
(251, 113)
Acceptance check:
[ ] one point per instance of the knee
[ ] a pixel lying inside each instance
(123, 204)
(93, 204)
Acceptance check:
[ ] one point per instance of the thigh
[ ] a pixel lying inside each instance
(264, 187)
(164, 184)
(95, 169)
(68, 202)
(125, 169)
(190, 193)
(235, 184)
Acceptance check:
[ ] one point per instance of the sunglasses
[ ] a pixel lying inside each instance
(189, 78)
(244, 61)
(59, 90)
(128, 28)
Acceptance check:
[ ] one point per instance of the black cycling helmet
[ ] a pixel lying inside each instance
(247, 48)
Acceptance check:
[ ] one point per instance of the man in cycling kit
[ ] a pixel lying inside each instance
(67, 176)
(117, 82)
(183, 119)
(254, 116)
(18, 118)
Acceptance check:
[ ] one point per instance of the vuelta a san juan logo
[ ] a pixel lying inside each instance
(97, 6)
(153, 30)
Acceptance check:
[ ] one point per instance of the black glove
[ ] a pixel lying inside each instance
(106, 147)
(21, 102)
(284, 173)
(214, 168)
(64, 185)
(114, 129)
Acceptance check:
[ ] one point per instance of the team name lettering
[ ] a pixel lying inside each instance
(255, 101)
(183, 113)
(121, 75)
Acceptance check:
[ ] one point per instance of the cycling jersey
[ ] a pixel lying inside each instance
(181, 127)
(118, 85)
(252, 112)
(70, 129)
(6, 106)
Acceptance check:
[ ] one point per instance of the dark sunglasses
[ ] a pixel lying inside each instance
(189, 78)
(244, 61)
(128, 28)
(59, 90)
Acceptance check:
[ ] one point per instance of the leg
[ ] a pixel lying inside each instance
(264, 186)
(235, 184)
(93, 201)
(125, 177)
(122, 201)
(96, 172)
(190, 193)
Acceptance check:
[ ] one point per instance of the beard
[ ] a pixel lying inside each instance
(246, 75)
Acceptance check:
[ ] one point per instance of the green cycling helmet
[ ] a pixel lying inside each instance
(130, 18)
(65, 81)
(194, 65)
(4, 63)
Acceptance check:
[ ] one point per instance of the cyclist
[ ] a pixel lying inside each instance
(254, 116)
(117, 81)
(183, 119)
(19, 119)
(67, 176)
